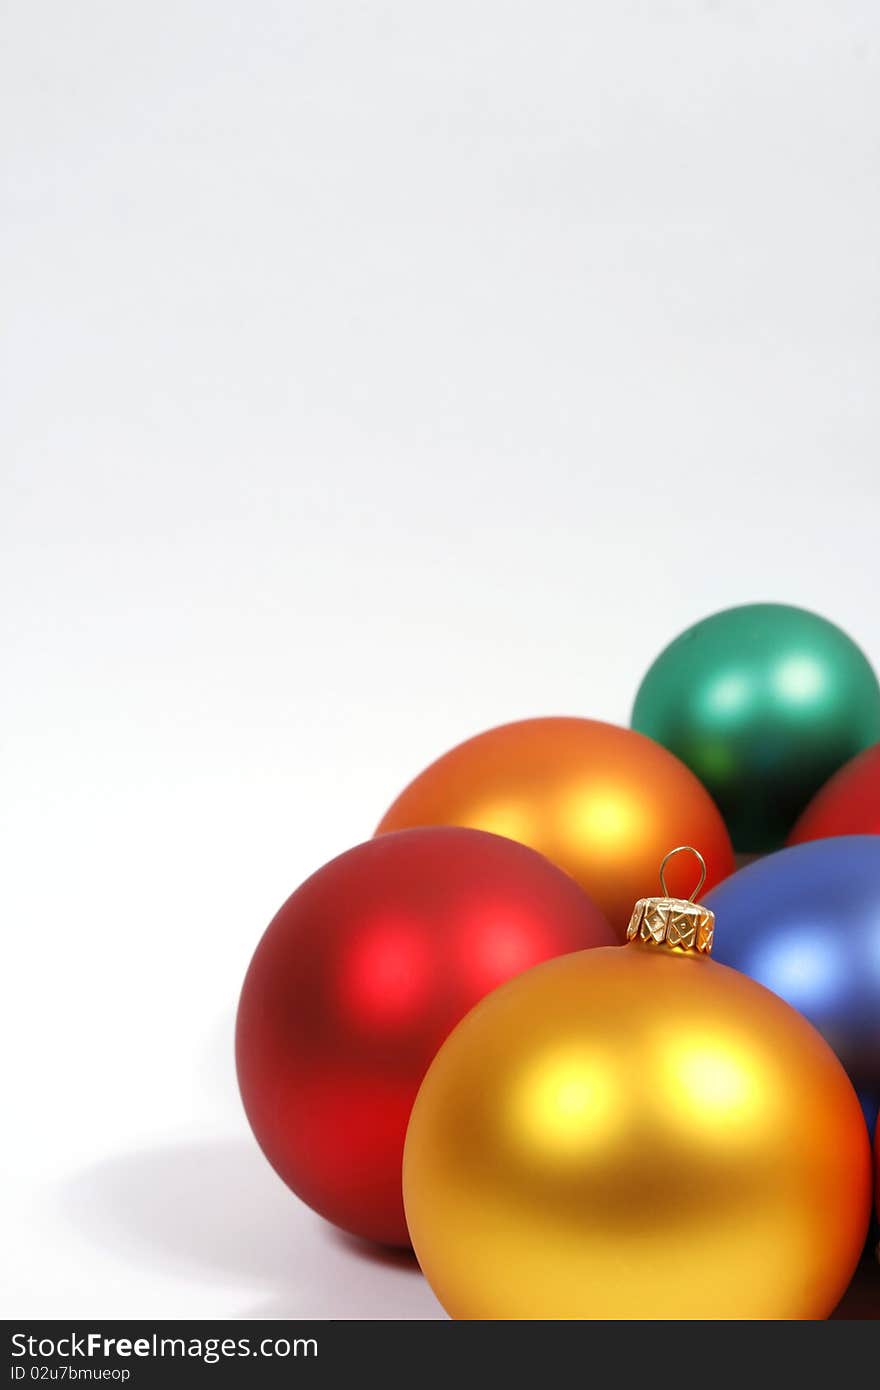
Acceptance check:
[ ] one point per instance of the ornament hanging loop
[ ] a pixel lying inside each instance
(679, 924)
(683, 849)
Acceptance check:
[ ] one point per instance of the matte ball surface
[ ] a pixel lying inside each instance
(805, 922)
(602, 802)
(848, 804)
(763, 703)
(877, 1165)
(636, 1133)
(357, 981)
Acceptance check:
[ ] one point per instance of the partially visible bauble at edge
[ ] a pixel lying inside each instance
(805, 922)
(877, 1165)
(764, 703)
(848, 804)
(357, 981)
(602, 802)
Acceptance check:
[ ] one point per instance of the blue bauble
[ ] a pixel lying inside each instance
(805, 922)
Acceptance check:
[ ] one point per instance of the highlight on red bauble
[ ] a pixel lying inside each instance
(357, 981)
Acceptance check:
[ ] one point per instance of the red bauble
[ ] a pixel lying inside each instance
(877, 1166)
(848, 804)
(356, 983)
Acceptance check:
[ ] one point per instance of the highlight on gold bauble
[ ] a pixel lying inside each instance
(637, 1132)
(604, 803)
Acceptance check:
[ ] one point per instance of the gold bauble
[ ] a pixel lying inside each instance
(637, 1132)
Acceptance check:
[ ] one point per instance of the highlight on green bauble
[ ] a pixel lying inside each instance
(764, 702)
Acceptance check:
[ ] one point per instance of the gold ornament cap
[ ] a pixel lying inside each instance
(679, 924)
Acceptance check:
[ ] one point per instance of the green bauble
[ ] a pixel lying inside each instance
(763, 703)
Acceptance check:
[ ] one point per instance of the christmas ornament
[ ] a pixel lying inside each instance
(637, 1133)
(805, 922)
(848, 804)
(356, 983)
(763, 703)
(601, 802)
(877, 1167)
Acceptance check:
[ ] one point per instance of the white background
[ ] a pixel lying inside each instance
(373, 373)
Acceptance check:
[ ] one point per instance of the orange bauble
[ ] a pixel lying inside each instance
(604, 803)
